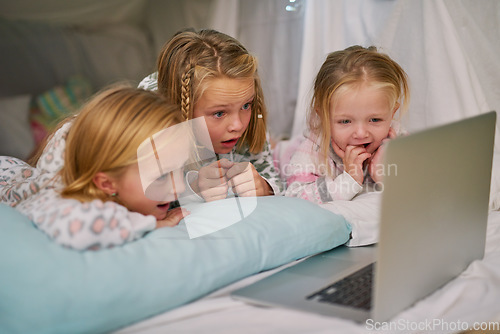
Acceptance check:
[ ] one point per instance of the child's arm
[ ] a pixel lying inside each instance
(246, 174)
(322, 189)
(18, 180)
(73, 224)
(353, 159)
(306, 180)
(376, 166)
(174, 216)
(91, 225)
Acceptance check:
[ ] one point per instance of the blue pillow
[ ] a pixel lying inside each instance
(46, 288)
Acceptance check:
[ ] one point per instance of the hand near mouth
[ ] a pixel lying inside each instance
(375, 165)
(212, 181)
(173, 218)
(353, 158)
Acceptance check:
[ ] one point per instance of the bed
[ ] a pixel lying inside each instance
(47, 289)
(468, 302)
(166, 282)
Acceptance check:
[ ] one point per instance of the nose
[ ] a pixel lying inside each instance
(361, 131)
(235, 124)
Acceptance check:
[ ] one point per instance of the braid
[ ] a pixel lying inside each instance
(186, 91)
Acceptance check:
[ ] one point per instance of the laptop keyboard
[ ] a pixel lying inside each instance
(354, 290)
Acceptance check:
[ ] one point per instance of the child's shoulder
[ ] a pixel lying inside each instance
(52, 158)
(310, 150)
(19, 181)
(150, 82)
(303, 148)
(309, 143)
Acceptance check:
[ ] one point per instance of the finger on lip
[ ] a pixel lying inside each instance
(358, 147)
(366, 146)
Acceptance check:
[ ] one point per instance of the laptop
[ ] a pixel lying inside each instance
(433, 219)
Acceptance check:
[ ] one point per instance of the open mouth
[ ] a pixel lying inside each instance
(163, 206)
(230, 142)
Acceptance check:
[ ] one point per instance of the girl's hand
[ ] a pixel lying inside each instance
(173, 217)
(246, 181)
(212, 181)
(353, 158)
(375, 166)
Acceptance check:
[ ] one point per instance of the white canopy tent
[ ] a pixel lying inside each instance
(448, 48)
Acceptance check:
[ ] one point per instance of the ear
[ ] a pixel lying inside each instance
(104, 182)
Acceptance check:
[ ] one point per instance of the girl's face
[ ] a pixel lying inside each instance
(165, 189)
(226, 105)
(362, 117)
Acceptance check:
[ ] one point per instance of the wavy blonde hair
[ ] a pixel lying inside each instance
(347, 69)
(190, 60)
(105, 134)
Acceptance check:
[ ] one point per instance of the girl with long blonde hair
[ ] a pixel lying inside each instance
(87, 190)
(357, 93)
(210, 74)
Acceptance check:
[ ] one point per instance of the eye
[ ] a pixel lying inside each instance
(375, 120)
(218, 114)
(247, 106)
(344, 121)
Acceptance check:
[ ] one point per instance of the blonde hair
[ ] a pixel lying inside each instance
(106, 133)
(191, 59)
(346, 69)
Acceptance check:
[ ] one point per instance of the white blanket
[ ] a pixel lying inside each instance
(361, 212)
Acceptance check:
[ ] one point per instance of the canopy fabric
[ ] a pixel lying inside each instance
(449, 48)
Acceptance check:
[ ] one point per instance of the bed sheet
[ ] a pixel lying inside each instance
(468, 300)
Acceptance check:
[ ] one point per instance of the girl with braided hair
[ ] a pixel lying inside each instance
(210, 74)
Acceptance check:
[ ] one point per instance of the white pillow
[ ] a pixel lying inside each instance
(16, 138)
